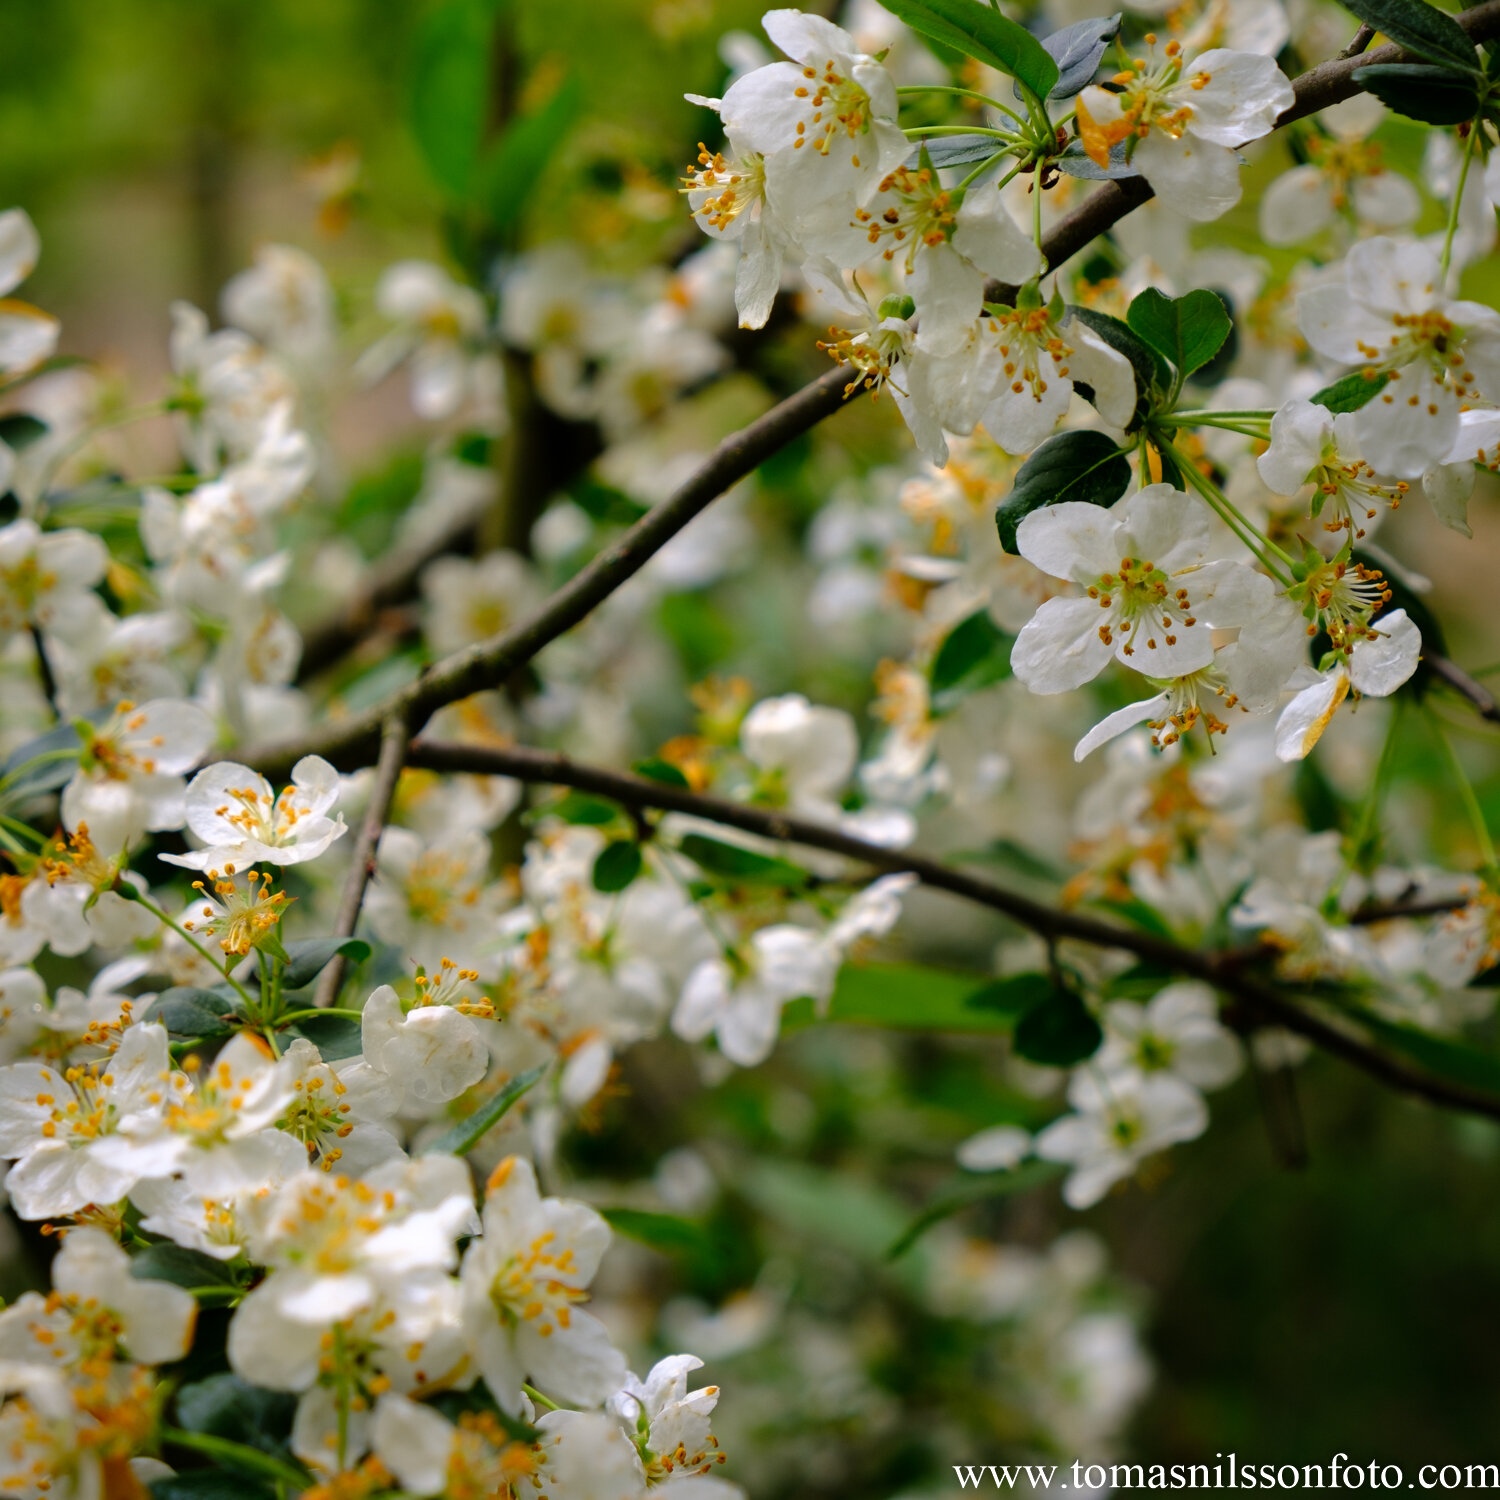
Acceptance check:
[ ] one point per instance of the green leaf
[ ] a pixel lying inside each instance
(1078, 50)
(1351, 392)
(335, 1037)
(516, 164)
(965, 1191)
(975, 654)
(46, 762)
(665, 1232)
(450, 89)
(1076, 162)
(18, 429)
(1081, 465)
(663, 771)
(1059, 1032)
(912, 997)
(467, 1133)
(1188, 330)
(577, 807)
(956, 150)
(729, 862)
(310, 956)
(210, 1484)
(186, 1011)
(1419, 28)
(1422, 91)
(827, 1209)
(1014, 996)
(617, 865)
(181, 1266)
(604, 502)
(977, 30)
(228, 1407)
(1437, 1054)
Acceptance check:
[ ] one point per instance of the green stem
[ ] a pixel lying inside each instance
(316, 1010)
(1471, 804)
(1458, 197)
(193, 943)
(943, 88)
(916, 132)
(539, 1398)
(81, 440)
(984, 167)
(1036, 203)
(240, 1455)
(1224, 508)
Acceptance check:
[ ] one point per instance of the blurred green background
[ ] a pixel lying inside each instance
(1348, 1306)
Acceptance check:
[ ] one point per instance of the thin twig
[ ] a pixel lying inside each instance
(1225, 971)
(1362, 39)
(1481, 697)
(394, 740)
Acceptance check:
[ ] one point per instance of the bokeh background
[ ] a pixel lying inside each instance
(1348, 1304)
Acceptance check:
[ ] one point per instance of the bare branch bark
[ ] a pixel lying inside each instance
(1263, 999)
(394, 741)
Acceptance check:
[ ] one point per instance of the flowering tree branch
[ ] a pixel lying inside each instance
(354, 742)
(1263, 1000)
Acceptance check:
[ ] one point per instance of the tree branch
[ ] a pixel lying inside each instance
(1465, 686)
(394, 740)
(1225, 971)
(354, 742)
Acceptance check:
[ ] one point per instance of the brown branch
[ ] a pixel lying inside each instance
(394, 741)
(354, 742)
(1465, 686)
(1225, 971)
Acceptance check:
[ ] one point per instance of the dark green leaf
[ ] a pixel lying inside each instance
(1059, 1032)
(577, 807)
(181, 1266)
(1078, 50)
(740, 866)
(1081, 465)
(663, 771)
(212, 1484)
(335, 1037)
(226, 1406)
(967, 1190)
(1076, 162)
(912, 997)
(975, 654)
(617, 865)
(1419, 28)
(604, 502)
(977, 30)
(1014, 996)
(1186, 330)
(450, 89)
(1422, 91)
(467, 1133)
(665, 1232)
(310, 956)
(1351, 392)
(17, 429)
(185, 1011)
(518, 160)
(956, 150)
